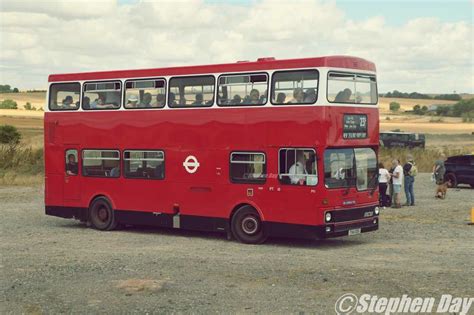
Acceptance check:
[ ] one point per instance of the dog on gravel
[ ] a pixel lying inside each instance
(442, 189)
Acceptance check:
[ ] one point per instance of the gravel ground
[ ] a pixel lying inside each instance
(54, 265)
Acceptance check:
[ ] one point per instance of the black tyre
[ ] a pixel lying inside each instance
(101, 215)
(451, 177)
(247, 227)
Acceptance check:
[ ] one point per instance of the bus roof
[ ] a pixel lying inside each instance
(261, 64)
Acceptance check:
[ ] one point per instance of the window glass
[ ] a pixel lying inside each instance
(339, 168)
(102, 95)
(295, 87)
(71, 162)
(64, 96)
(247, 89)
(144, 164)
(247, 167)
(298, 167)
(145, 93)
(367, 170)
(101, 163)
(191, 92)
(352, 88)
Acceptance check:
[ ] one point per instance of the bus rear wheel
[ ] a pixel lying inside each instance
(102, 215)
(247, 227)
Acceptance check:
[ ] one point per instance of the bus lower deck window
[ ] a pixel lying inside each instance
(248, 167)
(144, 164)
(298, 167)
(101, 163)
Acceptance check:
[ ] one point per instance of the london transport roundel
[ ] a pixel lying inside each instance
(191, 164)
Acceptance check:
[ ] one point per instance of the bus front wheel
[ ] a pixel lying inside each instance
(101, 215)
(247, 227)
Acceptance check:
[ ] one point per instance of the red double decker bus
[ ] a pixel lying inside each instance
(253, 149)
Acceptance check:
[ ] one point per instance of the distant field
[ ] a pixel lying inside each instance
(36, 99)
(408, 103)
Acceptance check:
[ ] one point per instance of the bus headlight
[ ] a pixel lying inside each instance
(376, 210)
(328, 216)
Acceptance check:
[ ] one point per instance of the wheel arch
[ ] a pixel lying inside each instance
(246, 203)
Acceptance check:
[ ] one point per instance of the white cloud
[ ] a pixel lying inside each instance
(42, 37)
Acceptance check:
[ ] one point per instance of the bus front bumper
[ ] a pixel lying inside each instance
(350, 228)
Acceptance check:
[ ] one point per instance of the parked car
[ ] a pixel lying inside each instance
(460, 170)
(391, 139)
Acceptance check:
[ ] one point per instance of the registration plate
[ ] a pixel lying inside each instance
(354, 232)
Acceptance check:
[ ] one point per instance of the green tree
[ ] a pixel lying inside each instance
(9, 135)
(15, 90)
(8, 104)
(394, 106)
(424, 109)
(5, 88)
(28, 106)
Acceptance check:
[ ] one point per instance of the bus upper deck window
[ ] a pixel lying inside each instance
(295, 87)
(64, 96)
(351, 88)
(243, 90)
(102, 95)
(195, 91)
(145, 93)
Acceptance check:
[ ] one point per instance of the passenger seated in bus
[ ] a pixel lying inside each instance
(343, 96)
(67, 102)
(298, 96)
(182, 101)
(71, 166)
(254, 96)
(99, 102)
(146, 101)
(86, 102)
(310, 96)
(281, 98)
(172, 99)
(115, 172)
(160, 100)
(199, 99)
(298, 170)
(236, 100)
(132, 101)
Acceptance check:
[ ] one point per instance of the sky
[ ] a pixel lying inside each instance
(421, 45)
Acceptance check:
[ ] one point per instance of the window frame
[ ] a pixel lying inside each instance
(316, 166)
(106, 81)
(143, 150)
(251, 181)
(102, 150)
(190, 77)
(241, 74)
(294, 104)
(124, 96)
(355, 74)
(64, 110)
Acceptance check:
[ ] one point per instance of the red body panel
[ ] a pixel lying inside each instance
(210, 135)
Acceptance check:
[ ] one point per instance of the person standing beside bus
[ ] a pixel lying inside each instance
(438, 171)
(397, 178)
(409, 172)
(384, 178)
